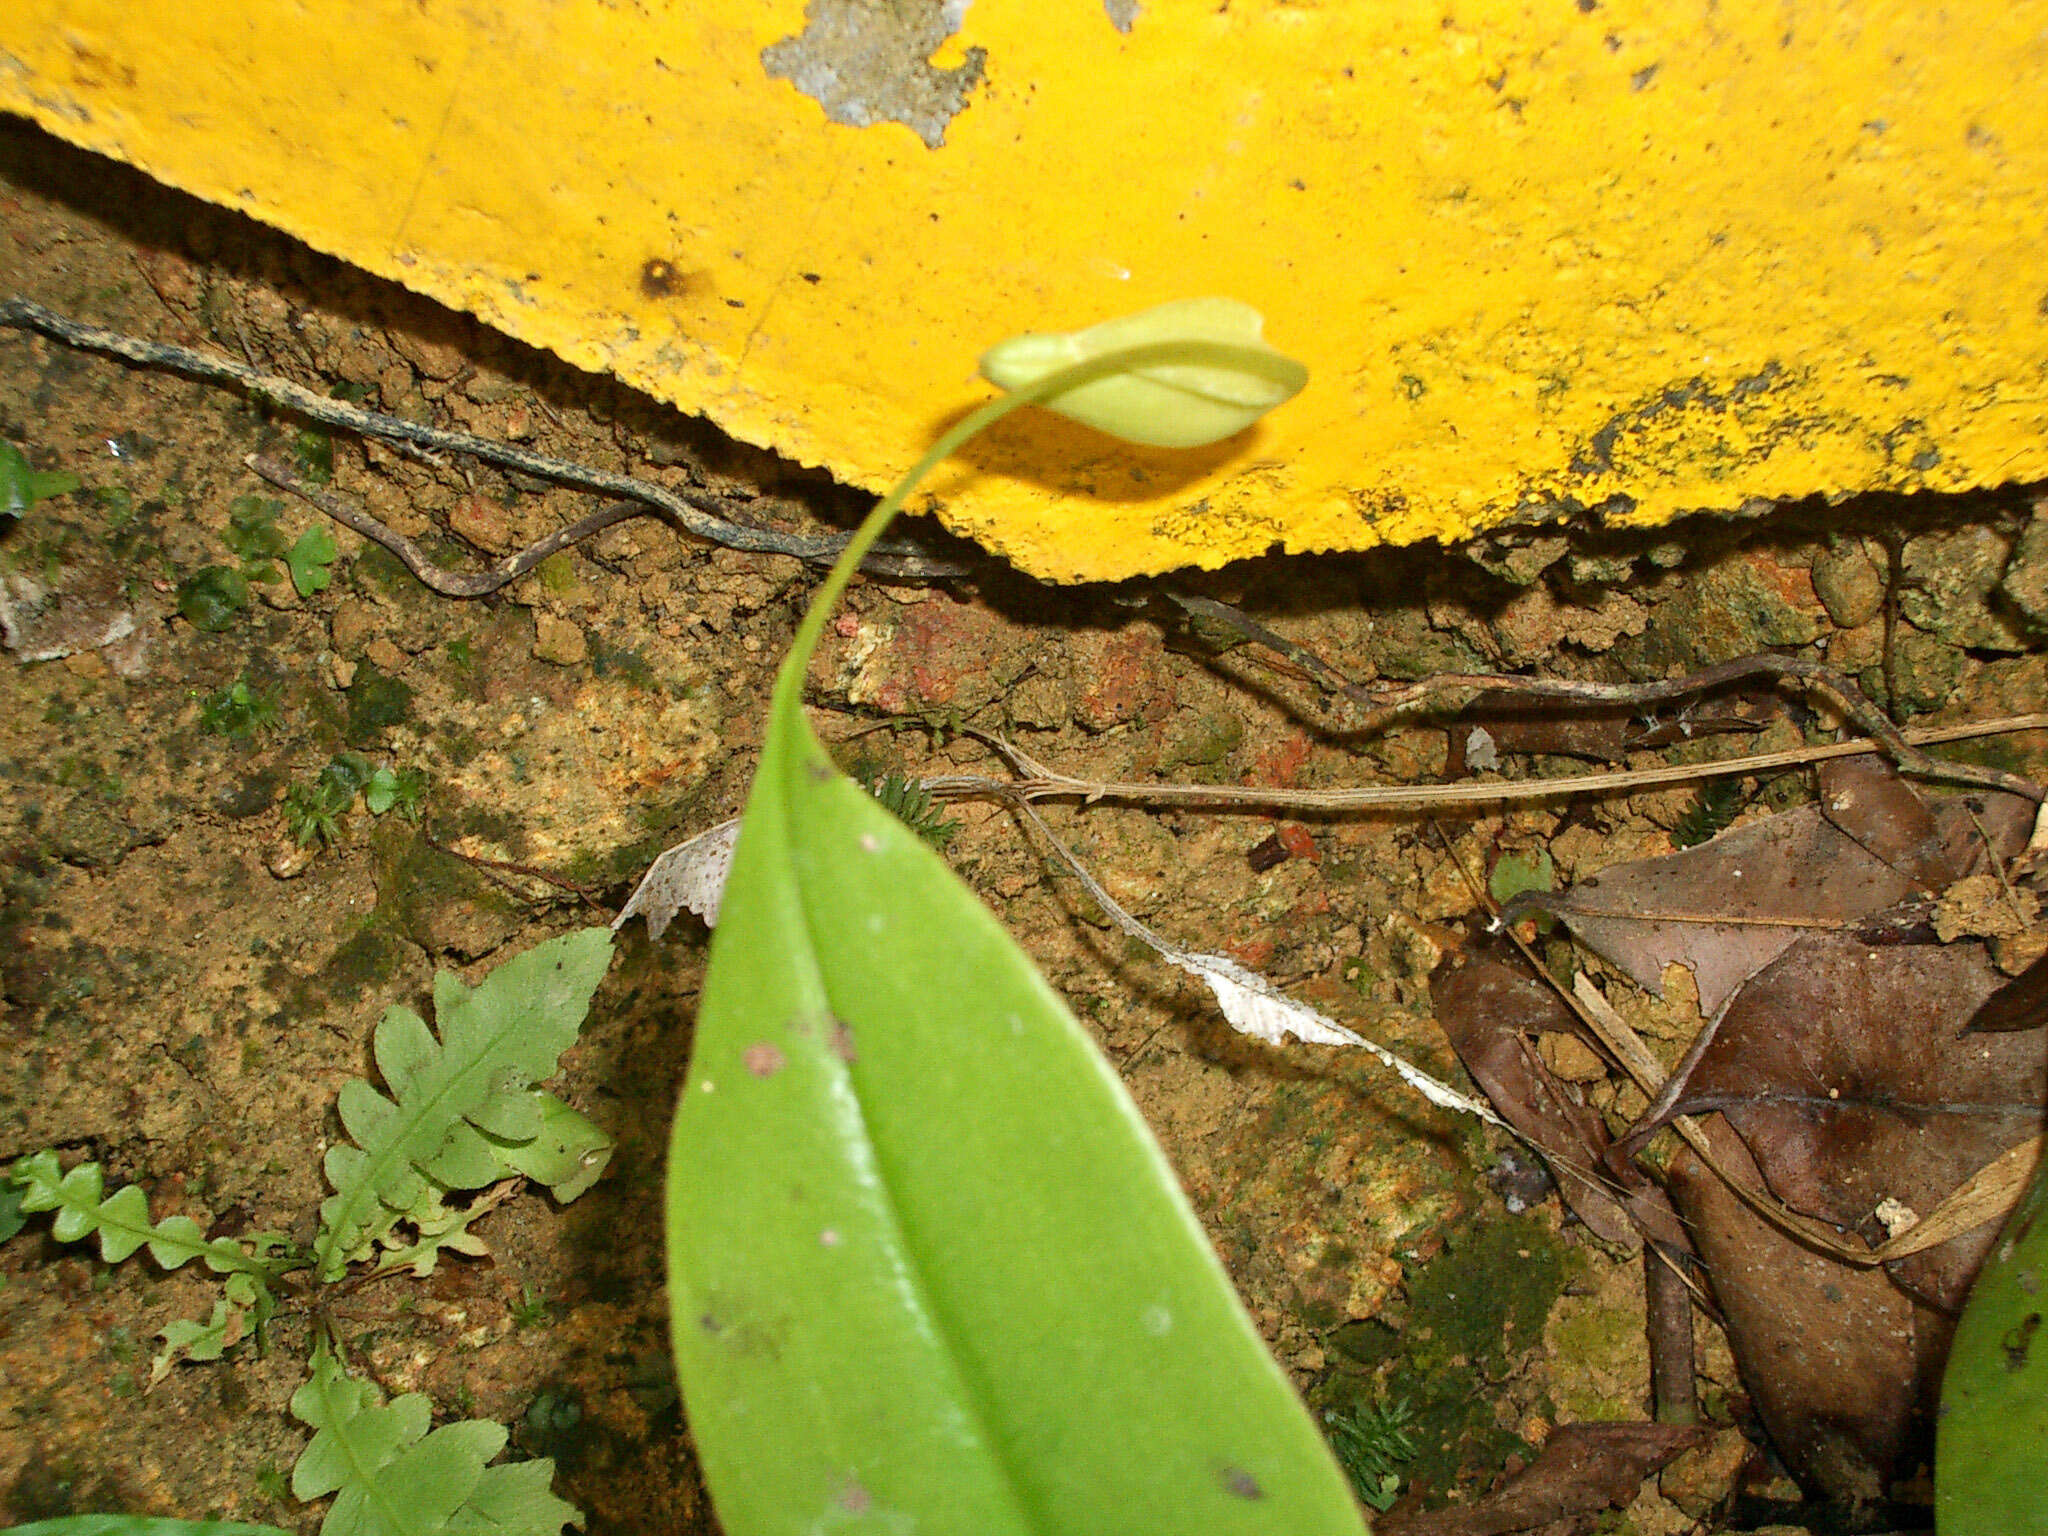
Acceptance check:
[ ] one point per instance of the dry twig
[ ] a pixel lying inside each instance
(694, 511)
(1388, 702)
(1040, 782)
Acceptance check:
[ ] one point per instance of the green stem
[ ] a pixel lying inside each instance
(789, 682)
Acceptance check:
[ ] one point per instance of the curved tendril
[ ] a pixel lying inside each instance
(789, 682)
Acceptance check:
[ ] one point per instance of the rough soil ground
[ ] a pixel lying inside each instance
(185, 987)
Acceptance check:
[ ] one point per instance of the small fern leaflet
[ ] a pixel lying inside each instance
(121, 1221)
(243, 1310)
(392, 1477)
(566, 1157)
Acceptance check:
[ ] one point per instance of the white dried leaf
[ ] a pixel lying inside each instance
(1255, 1007)
(1253, 1004)
(691, 874)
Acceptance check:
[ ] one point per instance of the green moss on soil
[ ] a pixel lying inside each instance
(376, 702)
(434, 897)
(376, 570)
(1469, 1315)
(367, 958)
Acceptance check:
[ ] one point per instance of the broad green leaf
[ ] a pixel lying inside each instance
(1991, 1442)
(927, 1268)
(16, 497)
(496, 1040)
(22, 487)
(1221, 377)
(138, 1525)
(1514, 873)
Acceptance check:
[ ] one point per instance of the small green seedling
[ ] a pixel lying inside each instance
(1514, 873)
(311, 816)
(212, 598)
(1372, 1444)
(927, 1268)
(531, 1310)
(116, 504)
(308, 560)
(911, 803)
(314, 809)
(457, 1113)
(1712, 812)
(21, 487)
(395, 789)
(313, 452)
(253, 534)
(238, 712)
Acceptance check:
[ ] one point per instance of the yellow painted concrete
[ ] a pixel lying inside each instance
(1638, 255)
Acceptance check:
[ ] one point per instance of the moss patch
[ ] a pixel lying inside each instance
(376, 702)
(1469, 1316)
(441, 903)
(368, 958)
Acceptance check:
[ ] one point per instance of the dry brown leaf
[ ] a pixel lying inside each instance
(1493, 1010)
(1841, 1068)
(1546, 727)
(1849, 1149)
(1841, 1084)
(1867, 801)
(2021, 1003)
(1584, 1469)
(1731, 906)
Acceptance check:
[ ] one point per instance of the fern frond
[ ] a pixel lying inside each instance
(121, 1222)
(911, 803)
(1372, 1441)
(1720, 801)
(12, 1217)
(566, 1157)
(392, 1477)
(252, 1264)
(451, 1097)
(242, 1310)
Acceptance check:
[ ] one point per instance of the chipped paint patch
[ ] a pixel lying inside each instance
(870, 61)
